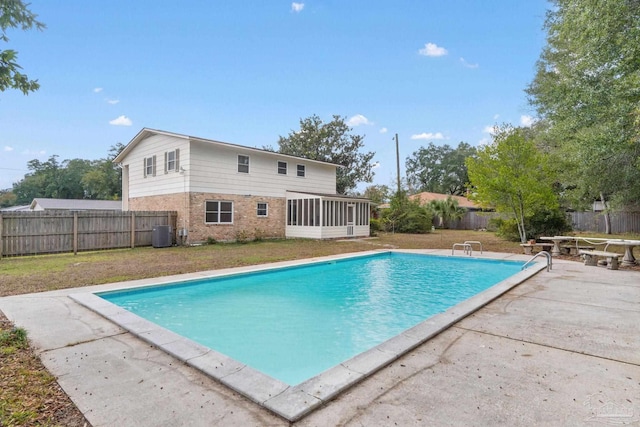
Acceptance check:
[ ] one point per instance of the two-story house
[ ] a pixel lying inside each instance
(228, 192)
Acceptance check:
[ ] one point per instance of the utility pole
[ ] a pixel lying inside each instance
(398, 162)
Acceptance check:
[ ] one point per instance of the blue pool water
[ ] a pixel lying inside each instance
(296, 322)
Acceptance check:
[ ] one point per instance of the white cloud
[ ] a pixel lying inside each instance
(495, 117)
(7, 148)
(97, 90)
(358, 120)
(384, 130)
(429, 135)
(490, 129)
(297, 7)
(527, 121)
(113, 101)
(121, 121)
(468, 64)
(432, 49)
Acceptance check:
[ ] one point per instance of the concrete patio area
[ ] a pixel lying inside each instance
(562, 348)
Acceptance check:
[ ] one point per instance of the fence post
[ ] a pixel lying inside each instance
(1, 240)
(133, 230)
(75, 233)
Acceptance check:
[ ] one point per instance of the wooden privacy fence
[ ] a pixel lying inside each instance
(31, 233)
(621, 222)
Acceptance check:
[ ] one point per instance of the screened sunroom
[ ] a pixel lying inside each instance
(326, 216)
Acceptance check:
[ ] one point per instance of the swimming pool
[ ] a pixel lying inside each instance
(390, 317)
(294, 323)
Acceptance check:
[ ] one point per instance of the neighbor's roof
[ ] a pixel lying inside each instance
(426, 197)
(76, 204)
(146, 132)
(15, 208)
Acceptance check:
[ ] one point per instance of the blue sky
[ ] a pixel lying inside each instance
(247, 72)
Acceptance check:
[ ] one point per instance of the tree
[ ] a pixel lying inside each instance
(377, 193)
(512, 176)
(7, 198)
(439, 169)
(406, 216)
(586, 87)
(71, 179)
(331, 142)
(446, 210)
(104, 180)
(15, 14)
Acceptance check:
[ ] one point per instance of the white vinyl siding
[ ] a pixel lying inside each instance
(213, 169)
(218, 212)
(170, 183)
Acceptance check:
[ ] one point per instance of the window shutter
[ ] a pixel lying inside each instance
(144, 167)
(154, 165)
(177, 160)
(165, 162)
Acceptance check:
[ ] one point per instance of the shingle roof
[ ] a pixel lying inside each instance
(426, 197)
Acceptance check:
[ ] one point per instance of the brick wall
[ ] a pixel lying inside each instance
(246, 223)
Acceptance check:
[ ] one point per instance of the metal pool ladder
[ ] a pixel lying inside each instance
(546, 254)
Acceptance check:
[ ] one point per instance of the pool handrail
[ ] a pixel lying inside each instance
(546, 254)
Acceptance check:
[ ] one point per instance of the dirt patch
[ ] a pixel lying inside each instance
(29, 395)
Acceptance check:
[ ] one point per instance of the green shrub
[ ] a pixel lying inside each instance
(406, 216)
(548, 223)
(542, 223)
(375, 225)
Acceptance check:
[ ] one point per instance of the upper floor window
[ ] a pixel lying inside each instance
(301, 170)
(218, 212)
(149, 167)
(171, 161)
(243, 163)
(282, 168)
(262, 209)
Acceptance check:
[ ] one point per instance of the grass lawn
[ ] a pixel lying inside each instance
(29, 395)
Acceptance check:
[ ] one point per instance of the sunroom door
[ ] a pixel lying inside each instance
(351, 211)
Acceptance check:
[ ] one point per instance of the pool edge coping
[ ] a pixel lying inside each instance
(295, 402)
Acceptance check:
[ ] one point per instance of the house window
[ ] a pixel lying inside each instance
(282, 168)
(243, 163)
(171, 161)
(149, 166)
(262, 209)
(301, 170)
(218, 212)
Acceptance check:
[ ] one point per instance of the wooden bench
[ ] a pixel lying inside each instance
(591, 258)
(528, 247)
(575, 250)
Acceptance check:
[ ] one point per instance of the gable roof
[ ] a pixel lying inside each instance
(76, 204)
(146, 132)
(426, 197)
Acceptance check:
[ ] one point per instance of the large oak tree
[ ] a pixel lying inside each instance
(331, 142)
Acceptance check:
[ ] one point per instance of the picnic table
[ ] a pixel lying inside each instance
(628, 258)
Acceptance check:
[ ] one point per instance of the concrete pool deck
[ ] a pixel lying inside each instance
(562, 348)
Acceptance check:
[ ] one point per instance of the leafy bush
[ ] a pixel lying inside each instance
(406, 216)
(375, 225)
(548, 223)
(542, 223)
